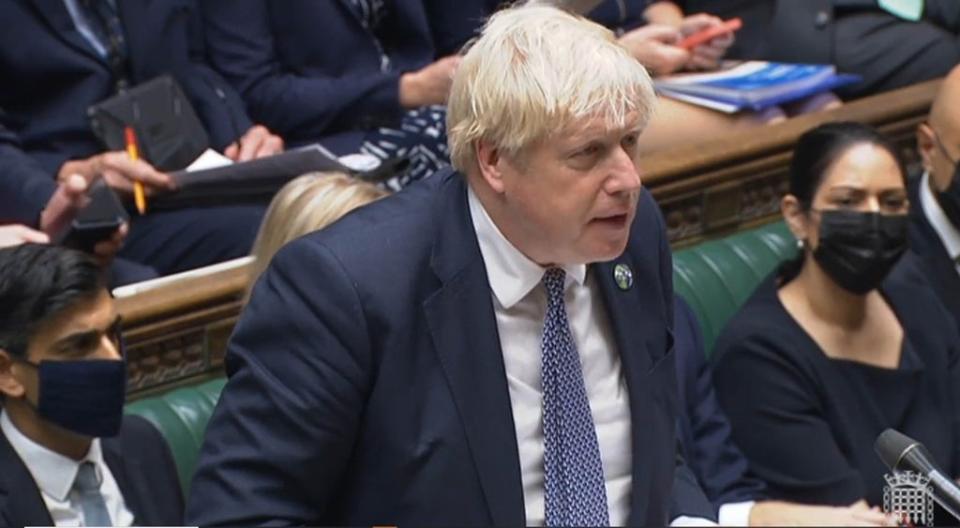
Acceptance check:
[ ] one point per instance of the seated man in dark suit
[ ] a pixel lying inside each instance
(935, 197)
(890, 43)
(720, 467)
(487, 347)
(67, 455)
(356, 75)
(58, 57)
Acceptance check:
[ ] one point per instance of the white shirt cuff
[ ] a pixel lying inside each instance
(736, 513)
(683, 520)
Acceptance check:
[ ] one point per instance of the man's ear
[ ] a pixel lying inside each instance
(795, 216)
(490, 161)
(9, 385)
(926, 144)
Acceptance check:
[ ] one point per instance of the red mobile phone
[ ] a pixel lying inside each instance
(710, 33)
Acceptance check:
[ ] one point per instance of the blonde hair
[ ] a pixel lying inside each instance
(533, 71)
(305, 204)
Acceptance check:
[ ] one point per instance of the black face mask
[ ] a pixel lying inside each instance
(858, 250)
(949, 199)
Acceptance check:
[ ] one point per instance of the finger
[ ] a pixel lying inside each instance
(708, 52)
(722, 42)
(694, 23)
(120, 164)
(659, 33)
(251, 142)
(29, 236)
(703, 63)
(232, 151)
(63, 206)
(271, 146)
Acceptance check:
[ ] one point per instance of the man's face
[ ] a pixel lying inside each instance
(87, 330)
(571, 198)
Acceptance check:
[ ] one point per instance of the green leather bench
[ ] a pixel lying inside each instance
(715, 277)
(181, 415)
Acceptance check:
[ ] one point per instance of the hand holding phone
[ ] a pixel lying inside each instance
(98, 221)
(710, 33)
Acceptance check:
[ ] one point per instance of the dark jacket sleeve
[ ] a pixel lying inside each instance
(771, 403)
(218, 105)
(241, 44)
(25, 188)
(284, 428)
(704, 429)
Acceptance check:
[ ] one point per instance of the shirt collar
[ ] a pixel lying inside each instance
(53, 472)
(948, 233)
(511, 274)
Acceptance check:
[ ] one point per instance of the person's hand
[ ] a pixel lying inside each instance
(429, 85)
(14, 235)
(257, 142)
(777, 513)
(706, 56)
(655, 47)
(105, 250)
(69, 198)
(118, 171)
(63, 206)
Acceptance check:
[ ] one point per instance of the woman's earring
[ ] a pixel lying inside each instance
(801, 244)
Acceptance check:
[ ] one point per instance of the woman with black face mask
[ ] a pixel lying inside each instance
(833, 348)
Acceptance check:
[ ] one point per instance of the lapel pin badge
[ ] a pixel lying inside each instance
(623, 276)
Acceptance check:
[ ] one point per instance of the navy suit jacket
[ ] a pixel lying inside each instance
(139, 460)
(367, 384)
(25, 188)
(928, 257)
(454, 23)
(703, 429)
(310, 70)
(52, 74)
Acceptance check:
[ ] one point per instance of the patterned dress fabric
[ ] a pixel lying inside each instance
(421, 135)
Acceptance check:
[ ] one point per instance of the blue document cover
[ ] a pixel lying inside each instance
(754, 85)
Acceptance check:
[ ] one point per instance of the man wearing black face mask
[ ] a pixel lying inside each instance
(67, 455)
(935, 215)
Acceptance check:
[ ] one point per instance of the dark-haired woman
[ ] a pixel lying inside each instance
(833, 349)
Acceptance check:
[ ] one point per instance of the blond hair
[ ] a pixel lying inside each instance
(533, 71)
(305, 204)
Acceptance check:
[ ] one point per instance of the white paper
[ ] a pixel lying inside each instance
(210, 159)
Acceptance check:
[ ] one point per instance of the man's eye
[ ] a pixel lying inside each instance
(587, 151)
(631, 140)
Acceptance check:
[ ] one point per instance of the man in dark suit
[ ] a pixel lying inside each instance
(889, 47)
(67, 456)
(720, 467)
(58, 57)
(935, 197)
(487, 347)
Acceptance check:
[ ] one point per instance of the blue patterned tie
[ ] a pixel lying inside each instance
(573, 472)
(87, 486)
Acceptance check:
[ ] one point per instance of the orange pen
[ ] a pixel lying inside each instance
(139, 195)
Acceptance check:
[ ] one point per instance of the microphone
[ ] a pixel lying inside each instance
(902, 453)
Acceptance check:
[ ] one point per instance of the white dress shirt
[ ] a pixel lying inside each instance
(946, 231)
(55, 473)
(520, 305)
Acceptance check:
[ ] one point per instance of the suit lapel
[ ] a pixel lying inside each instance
(354, 15)
(20, 501)
(126, 470)
(464, 332)
(55, 14)
(630, 325)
